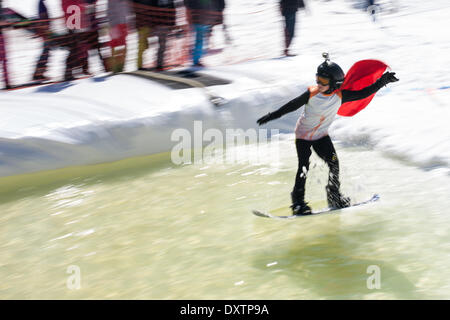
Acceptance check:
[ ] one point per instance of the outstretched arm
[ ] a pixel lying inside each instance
(348, 95)
(288, 107)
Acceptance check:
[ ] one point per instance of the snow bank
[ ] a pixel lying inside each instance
(110, 118)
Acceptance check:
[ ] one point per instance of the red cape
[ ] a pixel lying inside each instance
(362, 74)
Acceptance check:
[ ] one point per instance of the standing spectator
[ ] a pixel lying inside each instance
(218, 19)
(3, 58)
(43, 30)
(92, 34)
(162, 21)
(77, 48)
(79, 17)
(289, 12)
(141, 10)
(200, 14)
(118, 14)
(154, 18)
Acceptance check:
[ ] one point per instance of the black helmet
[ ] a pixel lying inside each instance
(332, 71)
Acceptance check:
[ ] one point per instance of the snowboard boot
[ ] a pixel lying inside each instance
(299, 206)
(336, 199)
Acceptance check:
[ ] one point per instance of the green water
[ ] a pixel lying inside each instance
(147, 229)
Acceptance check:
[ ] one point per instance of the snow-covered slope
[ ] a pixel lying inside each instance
(110, 118)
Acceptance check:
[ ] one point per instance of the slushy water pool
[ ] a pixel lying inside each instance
(145, 228)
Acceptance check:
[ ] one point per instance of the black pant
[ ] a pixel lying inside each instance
(41, 66)
(325, 150)
(289, 27)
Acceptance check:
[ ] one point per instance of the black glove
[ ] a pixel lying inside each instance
(388, 77)
(265, 119)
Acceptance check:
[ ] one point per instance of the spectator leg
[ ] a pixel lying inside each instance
(289, 31)
(162, 34)
(144, 33)
(41, 66)
(200, 32)
(4, 60)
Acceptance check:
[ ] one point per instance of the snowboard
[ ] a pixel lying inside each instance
(258, 213)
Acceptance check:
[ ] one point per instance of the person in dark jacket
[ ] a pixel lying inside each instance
(154, 18)
(200, 14)
(43, 30)
(289, 10)
(218, 8)
(74, 41)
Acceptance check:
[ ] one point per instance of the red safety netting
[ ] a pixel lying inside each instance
(47, 49)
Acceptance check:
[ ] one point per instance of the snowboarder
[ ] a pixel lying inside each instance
(322, 102)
